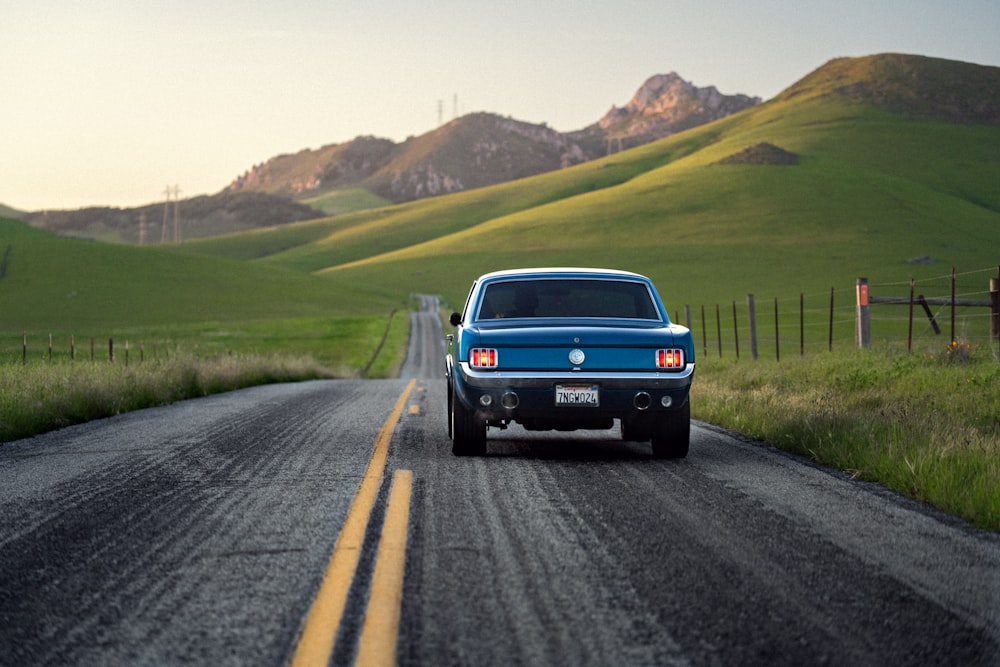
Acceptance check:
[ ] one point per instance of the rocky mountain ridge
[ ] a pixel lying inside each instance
(482, 149)
(667, 104)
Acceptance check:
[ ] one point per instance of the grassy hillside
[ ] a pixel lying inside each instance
(8, 212)
(52, 281)
(196, 217)
(874, 187)
(347, 200)
(882, 176)
(158, 297)
(317, 245)
(864, 199)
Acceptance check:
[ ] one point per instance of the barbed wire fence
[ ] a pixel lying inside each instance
(924, 316)
(921, 316)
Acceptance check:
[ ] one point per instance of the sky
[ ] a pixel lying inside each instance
(109, 102)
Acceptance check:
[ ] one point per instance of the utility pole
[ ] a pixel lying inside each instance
(166, 212)
(177, 203)
(612, 141)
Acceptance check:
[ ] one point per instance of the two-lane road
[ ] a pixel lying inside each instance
(199, 533)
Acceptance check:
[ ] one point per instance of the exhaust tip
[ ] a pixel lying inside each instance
(509, 400)
(642, 401)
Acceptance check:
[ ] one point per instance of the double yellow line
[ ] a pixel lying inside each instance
(380, 630)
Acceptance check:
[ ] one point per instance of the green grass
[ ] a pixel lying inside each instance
(342, 347)
(54, 283)
(44, 396)
(339, 202)
(925, 426)
(43, 393)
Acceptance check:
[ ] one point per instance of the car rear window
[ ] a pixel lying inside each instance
(567, 298)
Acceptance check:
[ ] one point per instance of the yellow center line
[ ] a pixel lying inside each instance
(380, 632)
(320, 630)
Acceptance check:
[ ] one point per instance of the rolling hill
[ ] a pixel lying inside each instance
(469, 152)
(852, 171)
(885, 170)
(195, 217)
(48, 282)
(12, 213)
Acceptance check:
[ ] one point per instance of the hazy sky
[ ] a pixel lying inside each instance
(108, 102)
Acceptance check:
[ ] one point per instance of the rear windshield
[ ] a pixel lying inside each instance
(567, 298)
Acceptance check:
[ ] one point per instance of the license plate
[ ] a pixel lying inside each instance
(573, 396)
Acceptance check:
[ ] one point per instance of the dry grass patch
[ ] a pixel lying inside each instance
(925, 427)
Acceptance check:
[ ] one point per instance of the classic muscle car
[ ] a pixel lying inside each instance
(566, 349)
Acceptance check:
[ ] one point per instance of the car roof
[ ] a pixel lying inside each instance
(561, 272)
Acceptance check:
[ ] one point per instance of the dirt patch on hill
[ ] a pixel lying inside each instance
(761, 154)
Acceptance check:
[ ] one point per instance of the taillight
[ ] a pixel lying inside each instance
(483, 357)
(672, 359)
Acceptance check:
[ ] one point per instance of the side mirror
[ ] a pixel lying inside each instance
(456, 319)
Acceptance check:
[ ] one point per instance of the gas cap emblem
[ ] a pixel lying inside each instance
(576, 357)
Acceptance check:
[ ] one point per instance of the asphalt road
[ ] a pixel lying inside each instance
(199, 533)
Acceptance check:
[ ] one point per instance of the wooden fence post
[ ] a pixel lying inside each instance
(704, 331)
(909, 336)
(802, 324)
(862, 331)
(24, 348)
(952, 305)
(718, 328)
(830, 346)
(736, 333)
(752, 314)
(111, 349)
(995, 306)
(777, 346)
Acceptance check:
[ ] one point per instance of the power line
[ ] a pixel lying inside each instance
(174, 191)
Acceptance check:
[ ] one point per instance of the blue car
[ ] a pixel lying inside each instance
(568, 349)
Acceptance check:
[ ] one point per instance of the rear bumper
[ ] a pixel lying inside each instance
(610, 380)
(535, 393)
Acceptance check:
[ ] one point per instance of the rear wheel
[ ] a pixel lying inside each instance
(636, 429)
(451, 401)
(672, 435)
(468, 430)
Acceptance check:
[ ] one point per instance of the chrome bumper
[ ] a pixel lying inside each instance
(609, 380)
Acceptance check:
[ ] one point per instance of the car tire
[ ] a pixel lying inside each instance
(468, 430)
(672, 435)
(636, 430)
(451, 401)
